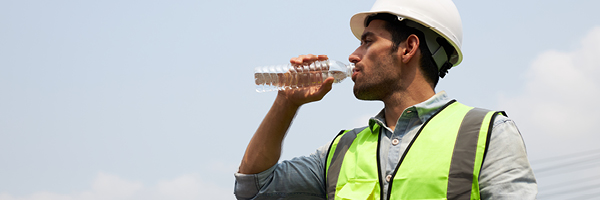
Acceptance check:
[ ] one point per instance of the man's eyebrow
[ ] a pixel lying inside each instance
(366, 34)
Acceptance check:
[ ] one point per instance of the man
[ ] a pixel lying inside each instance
(422, 145)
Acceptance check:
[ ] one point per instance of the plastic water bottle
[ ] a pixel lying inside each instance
(284, 77)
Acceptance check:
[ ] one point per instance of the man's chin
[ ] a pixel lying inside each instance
(364, 95)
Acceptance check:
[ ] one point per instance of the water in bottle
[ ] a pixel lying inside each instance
(284, 77)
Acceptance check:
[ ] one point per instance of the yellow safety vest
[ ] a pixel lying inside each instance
(441, 162)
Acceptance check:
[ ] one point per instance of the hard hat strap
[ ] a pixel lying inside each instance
(435, 44)
(439, 56)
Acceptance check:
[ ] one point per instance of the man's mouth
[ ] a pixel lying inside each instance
(355, 73)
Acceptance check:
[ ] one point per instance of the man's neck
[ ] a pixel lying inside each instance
(397, 103)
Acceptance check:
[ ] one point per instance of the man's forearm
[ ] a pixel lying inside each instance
(264, 148)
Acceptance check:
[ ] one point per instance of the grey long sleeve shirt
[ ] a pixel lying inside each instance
(505, 174)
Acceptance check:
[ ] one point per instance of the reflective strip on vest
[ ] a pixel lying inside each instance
(442, 161)
(333, 169)
(471, 139)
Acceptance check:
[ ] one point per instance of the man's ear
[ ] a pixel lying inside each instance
(410, 48)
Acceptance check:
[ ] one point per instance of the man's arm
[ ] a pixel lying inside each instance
(299, 178)
(506, 173)
(264, 148)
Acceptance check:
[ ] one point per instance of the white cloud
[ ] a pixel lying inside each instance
(110, 187)
(557, 104)
(184, 187)
(191, 187)
(556, 111)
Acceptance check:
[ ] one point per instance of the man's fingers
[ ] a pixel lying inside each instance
(322, 57)
(307, 59)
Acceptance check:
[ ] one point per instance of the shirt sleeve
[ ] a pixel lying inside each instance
(506, 173)
(299, 178)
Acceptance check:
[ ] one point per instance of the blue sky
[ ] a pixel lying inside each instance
(155, 99)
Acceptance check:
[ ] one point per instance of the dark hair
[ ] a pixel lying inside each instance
(400, 32)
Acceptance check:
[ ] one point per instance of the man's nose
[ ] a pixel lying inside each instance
(354, 57)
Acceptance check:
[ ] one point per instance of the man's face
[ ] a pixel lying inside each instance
(377, 72)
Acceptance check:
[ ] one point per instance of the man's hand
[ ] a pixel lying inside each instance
(301, 96)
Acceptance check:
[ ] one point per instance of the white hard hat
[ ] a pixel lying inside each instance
(437, 17)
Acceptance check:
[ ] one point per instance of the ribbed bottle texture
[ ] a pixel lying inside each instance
(283, 77)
